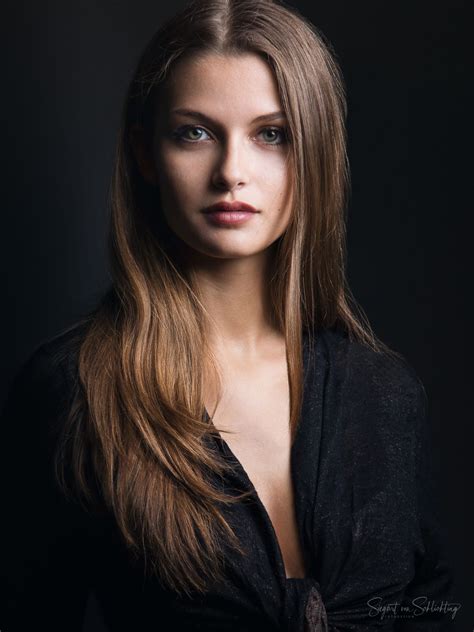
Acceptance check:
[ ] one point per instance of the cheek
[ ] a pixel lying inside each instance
(178, 177)
(272, 167)
(276, 178)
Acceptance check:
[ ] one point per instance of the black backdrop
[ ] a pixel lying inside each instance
(406, 66)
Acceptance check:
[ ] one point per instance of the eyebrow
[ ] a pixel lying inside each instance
(199, 115)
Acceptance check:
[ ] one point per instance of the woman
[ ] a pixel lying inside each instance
(233, 449)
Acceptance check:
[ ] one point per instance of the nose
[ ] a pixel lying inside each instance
(231, 169)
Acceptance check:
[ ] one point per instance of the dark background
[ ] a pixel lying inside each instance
(407, 68)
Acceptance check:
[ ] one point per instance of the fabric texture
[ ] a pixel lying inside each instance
(364, 502)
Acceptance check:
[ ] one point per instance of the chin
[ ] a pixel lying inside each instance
(221, 250)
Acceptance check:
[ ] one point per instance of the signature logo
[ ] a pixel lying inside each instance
(417, 607)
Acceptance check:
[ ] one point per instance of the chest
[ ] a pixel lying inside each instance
(253, 419)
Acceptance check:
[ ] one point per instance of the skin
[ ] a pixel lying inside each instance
(229, 156)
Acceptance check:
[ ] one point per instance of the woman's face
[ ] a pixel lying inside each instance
(220, 137)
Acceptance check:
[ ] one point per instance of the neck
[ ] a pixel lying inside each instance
(236, 295)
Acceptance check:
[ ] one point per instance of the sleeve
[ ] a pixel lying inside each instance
(43, 548)
(429, 596)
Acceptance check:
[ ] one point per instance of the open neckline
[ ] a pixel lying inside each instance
(281, 571)
(243, 473)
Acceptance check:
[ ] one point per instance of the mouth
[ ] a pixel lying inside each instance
(230, 207)
(229, 213)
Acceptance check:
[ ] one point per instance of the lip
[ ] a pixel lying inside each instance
(229, 213)
(230, 207)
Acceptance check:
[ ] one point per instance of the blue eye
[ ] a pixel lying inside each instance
(190, 133)
(275, 135)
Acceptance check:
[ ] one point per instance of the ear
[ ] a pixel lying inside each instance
(142, 153)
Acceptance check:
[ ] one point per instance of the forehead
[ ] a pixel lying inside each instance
(221, 84)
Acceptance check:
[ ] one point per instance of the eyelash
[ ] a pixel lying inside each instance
(179, 134)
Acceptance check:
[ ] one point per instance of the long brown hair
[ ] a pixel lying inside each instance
(138, 423)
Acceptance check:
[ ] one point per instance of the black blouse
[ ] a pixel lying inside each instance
(364, 505)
